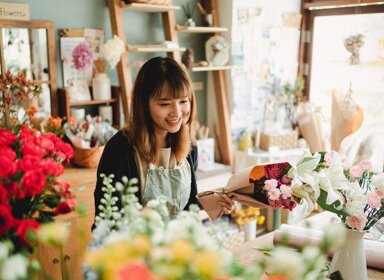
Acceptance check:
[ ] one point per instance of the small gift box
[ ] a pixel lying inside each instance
(286, 140)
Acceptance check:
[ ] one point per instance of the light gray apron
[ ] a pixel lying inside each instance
(173, 184)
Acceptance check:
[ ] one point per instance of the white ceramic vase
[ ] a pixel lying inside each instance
(350, 259)
(250, 230)
(101, 87)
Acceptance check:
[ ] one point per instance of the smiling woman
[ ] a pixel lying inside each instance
(158, 145)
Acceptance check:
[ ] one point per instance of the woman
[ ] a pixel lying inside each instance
(157, 145)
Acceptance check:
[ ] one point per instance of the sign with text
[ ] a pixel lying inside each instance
(14, 11)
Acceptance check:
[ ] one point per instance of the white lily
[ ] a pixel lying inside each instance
(304, 179)
(332, 179)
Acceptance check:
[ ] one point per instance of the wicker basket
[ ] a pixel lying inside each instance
(87, 157)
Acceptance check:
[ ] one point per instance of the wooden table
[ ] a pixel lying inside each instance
(248, 253)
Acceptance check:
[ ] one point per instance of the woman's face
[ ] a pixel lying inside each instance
(169, 114)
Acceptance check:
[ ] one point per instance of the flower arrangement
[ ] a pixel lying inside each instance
(246, 215)
(30, 193)
(112, 50)
(13, 90)
(142, 243)
(355, 194)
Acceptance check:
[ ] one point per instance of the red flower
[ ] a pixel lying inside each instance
(275, 170)
(45, 144)
(7, 152)
(6, 218)
(52, 167)
(29, 148)
(23, 227)
(8, 167)
(29, 163)
(134, 271)
(7, 138)
(65, 207)
(64, 189)
(65, 151)
(13, 190)
(33, 182)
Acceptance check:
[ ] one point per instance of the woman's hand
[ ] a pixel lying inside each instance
(227, 205)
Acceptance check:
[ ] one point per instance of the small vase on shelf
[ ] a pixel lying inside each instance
(350, 259)
(101, 87)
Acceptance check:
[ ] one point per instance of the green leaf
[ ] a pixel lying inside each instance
(51, 200)
(322, 201)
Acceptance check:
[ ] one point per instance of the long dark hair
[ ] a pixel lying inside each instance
(155, 75)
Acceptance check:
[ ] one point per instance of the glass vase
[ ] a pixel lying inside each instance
(350, 259)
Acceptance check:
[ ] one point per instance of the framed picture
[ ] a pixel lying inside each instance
(79, 91)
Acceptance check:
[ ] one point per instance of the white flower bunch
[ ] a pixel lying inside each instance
(112, 50)
(12, 266)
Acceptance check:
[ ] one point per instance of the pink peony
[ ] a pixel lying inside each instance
(355, 222)
(82, 57)
(373, 200)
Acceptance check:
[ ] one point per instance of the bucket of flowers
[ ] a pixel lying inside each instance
(30, 192)
(248, 218)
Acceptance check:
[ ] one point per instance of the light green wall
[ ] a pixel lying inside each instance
(140, 29)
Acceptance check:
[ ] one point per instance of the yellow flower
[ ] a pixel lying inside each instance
(182, 251)
(207, 264)
(140, 245)
(55, 234)
(260, 220)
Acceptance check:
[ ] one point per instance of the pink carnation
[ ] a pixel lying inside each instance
(373, 200)
(356, 171)
(82, 56)
(355, 222)
(270, 184)
(380, 193)
(286, 191)
(366, 165)
(274, 194)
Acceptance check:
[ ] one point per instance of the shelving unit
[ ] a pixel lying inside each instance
(117, 10)
(65, 104)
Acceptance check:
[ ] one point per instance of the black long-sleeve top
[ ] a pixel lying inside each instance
(119, 159)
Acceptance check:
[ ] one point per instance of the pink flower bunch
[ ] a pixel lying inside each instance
(272, 186)
(82, 56)
(365, 204)
(30, 193)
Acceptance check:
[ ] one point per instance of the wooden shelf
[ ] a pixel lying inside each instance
(339, 4)
(149, 48)
(65, 105)
(210, 68)
(92, 102)
(148, 8)
(200, 29)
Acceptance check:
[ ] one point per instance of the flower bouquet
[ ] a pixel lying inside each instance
(30, 193)
(14, 89)
(142, 243)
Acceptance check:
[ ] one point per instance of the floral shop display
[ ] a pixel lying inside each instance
(143, 243)
(30, 192)
(88, 138)
(354, 193)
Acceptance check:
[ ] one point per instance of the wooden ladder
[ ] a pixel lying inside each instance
(117, 9)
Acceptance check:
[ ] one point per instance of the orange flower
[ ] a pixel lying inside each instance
(134, 270)
(277, 277)
(31, 112)
(54, 122)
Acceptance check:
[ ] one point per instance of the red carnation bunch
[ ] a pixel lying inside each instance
(30, 193)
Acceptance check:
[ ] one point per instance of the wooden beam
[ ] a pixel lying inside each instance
(170, 34)
(123, 69)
